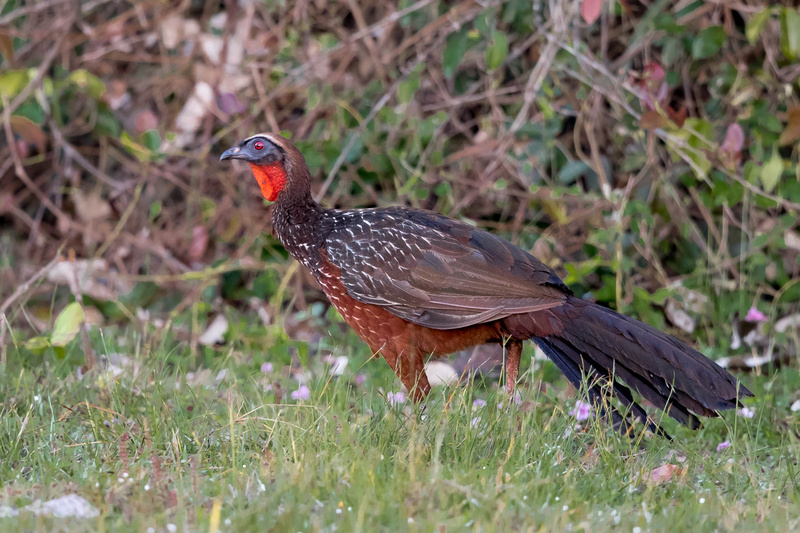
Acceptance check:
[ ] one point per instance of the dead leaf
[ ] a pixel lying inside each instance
(69, 506)
(7, 49)
(215, 333)
(90, 207)
(590, 10)
(93, 278)
(145, 120)
(440, 373)
(730, 151)
(665, 473)
(29, 131)
(791, 134)
(652, 120)
(199, 242)
(190, 119)
(651, 87)
(679, 317)
(678, 117)
(789, 321)
(792, 240)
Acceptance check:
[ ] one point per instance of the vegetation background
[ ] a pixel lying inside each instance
(165, 365)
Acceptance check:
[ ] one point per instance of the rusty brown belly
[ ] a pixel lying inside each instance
(391, 335)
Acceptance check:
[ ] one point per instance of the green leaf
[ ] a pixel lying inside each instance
(93, 85)
(572, 171)
(407, 89)
(708, 42)
(790, 33)
(13, 81)
(37, 344)
(67, 325)
(455, 47)
(497, 51)
(141, 152)
(152, 140)
(756, 24)
(771, 172)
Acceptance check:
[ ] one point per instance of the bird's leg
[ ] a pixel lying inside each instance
(410, 368)
(513, 349)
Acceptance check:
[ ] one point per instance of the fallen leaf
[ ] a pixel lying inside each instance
(67, 325)
(678, 117)
(440, 373)
(792, 240)
(338, 365)
(679, 317)
(791, 134)
(215, 333)
(789, 321)
(590, 10)
(190, 119)
(90, 207)
(145, 120)
(69, 506)
(199, 242)
(7, 48)
(29, 131)
(664, 474)
(92, 276)
(651, 87)
(652, 120)
(730, 150)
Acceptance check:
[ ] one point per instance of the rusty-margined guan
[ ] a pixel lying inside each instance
(414, 283)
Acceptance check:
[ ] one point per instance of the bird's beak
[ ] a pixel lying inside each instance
(232, 153)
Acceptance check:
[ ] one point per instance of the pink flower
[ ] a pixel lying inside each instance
(746, 412)
(301, 394)
(723, 445)
(360, 379)
(266, 368)
(754, 315)
(396, 398)
(582, 410)
(517, 400)
(477, 404)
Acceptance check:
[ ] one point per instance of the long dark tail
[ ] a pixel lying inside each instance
(598, 343)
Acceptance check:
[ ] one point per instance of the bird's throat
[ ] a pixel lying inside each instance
(271, 178)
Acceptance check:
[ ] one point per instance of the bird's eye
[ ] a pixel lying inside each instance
(258, 145)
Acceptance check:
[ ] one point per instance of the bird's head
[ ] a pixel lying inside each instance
(275, 162)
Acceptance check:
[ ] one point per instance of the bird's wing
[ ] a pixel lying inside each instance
(435, 271)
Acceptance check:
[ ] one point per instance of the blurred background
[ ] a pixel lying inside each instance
(646, 150)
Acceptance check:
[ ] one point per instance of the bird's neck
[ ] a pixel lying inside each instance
(297, 220)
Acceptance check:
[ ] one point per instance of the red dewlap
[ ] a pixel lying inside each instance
(271, 179)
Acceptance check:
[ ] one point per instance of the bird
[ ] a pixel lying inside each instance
(415, 284)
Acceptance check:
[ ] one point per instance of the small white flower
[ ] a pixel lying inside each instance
(746, 412)
(172, 528)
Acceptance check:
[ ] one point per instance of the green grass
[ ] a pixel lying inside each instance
(155, 447)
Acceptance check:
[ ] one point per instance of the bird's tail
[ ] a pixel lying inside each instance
(586, 339)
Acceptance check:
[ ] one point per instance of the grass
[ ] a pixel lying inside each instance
(159, 445)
